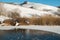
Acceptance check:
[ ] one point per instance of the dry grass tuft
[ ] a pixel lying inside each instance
(45, 20)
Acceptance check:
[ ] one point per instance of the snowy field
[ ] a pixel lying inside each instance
(55, 29)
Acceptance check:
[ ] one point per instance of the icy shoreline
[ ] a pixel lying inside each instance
(55, 29)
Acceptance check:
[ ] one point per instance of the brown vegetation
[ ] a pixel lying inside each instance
(43, 20)
(8, 22)
(22, 21)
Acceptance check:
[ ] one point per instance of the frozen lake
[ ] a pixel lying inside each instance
(32, 35)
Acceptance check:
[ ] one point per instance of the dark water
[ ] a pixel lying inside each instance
(18, 35)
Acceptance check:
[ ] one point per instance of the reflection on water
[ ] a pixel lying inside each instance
(33, 35)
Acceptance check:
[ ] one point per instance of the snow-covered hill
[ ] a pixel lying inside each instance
(39, 6)
(28, 12)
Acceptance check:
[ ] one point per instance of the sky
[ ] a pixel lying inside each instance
(48, 2)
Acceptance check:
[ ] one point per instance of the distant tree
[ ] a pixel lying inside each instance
(58, 6)
(31, 7)
(25, 2)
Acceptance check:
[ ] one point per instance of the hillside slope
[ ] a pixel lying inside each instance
(39, 6)
(23, 11)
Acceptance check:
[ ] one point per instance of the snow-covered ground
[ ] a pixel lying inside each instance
(27, 12)
(55, 29)
(39, 6)
(2, 18)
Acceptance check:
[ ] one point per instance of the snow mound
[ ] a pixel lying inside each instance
(2, 18)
